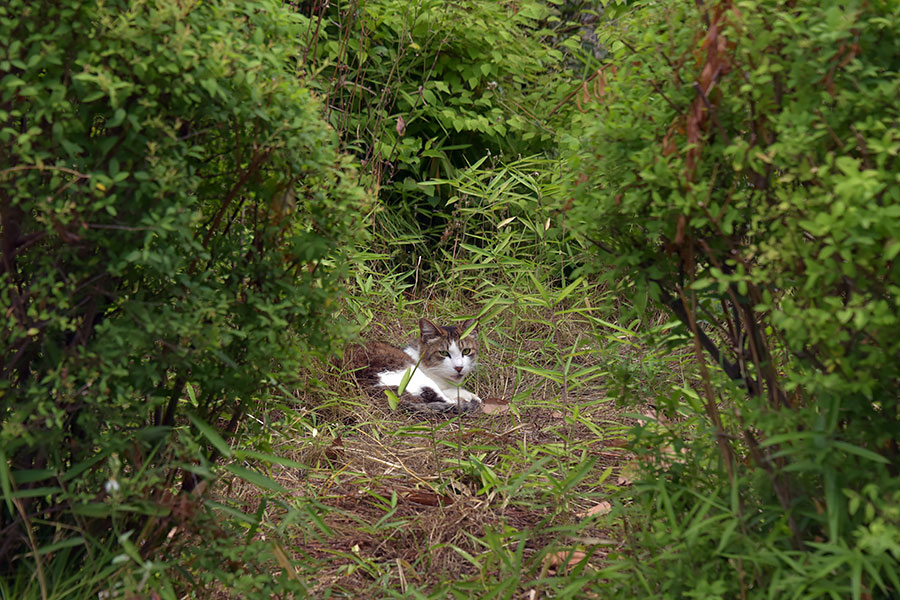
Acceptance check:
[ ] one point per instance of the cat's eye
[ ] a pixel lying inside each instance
(467, 351)
(444, 353)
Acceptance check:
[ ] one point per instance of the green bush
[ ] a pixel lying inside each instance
(174, 212)
(420, 90)
(741, 169)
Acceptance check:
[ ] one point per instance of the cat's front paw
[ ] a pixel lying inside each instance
(472, 404)
(453, 406)
(463, 400)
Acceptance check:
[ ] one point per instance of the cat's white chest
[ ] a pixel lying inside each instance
(417, 382)
(439, 378)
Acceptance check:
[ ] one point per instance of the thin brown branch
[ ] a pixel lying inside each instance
(712, 410)
(709, 107)
(251, 170)
(66, 170)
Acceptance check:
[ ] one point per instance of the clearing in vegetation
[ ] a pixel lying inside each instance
(678, 224)
(511, 499)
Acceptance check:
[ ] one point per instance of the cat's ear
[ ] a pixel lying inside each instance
(468, 327)
(429, 330)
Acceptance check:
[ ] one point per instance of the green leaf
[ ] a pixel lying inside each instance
(66, 543)
(564, 293)
(79, 468)
(861, 452)
(32, 475)
(316, 518)
(393, 400)
(5, 482)
(255, 477)
(93, 509)
(211, 435)
(229, 510)
(37, 492)
(404, 381)
(271, 458)
(891, 249)
(547, 373)
(129, 547)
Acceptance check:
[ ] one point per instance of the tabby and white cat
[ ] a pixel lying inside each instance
(440, 360)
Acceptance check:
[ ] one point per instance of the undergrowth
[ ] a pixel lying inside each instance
(525, 499)
(398, 506)
(684, 299)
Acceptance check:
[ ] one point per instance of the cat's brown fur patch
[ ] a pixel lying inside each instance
(368, 359)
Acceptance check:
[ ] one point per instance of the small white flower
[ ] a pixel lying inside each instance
(112, 486)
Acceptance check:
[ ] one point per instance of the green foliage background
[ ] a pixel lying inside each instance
(420, 91)
(745, 166)
(175, 211)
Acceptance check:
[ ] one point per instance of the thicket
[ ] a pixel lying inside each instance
(175, 224)
(421, 91)
(739, 168)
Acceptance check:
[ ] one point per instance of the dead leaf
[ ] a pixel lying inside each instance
(567, 559)
(598, 509)
(401, 125)
(616, 443)
(628, 473)
(283, 560)
(495, 406)
(668, 458)
(335, 450)
(506, 222)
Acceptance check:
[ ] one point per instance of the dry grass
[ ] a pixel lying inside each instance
(397, 505)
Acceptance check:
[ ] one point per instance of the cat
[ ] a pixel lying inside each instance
(440, 360)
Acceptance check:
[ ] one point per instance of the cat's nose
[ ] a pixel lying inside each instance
(458, 369)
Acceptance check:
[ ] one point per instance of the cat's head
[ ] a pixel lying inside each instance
(445, 353)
